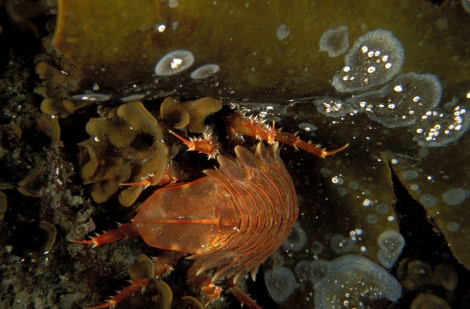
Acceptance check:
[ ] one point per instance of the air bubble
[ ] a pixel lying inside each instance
(335, 41)
(307, 127)
(205, 71)
(369, 51)
(439, 128)
(401, 108)
(332, 107)
(391, 244)
(454, 196)
(174, 62)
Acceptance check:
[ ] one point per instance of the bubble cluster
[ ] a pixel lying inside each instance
(391, 244)
(436, 128)
(402, 102)
(375, 59)
(360, 278)
(332, 107)
(174, 62)
(280, 282)
(205, 71)
(335, 41)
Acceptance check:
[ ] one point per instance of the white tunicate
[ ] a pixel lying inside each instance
(466, 5)
(454, 196)
(280, 282)
(319, 270)
(418, 93)
(174, 62)
(313, 271)
(428, 200)
(355, 279)
(410, 174)
(282, 32)
(133, 97)
(296, 239)
(353, 185)
(205, 71)
(341, 244)
(332, 107)
(372, 219)
(382, 209)
(453, 226)
(335, 41)
(303, 271)
(317, 247)
(92, 97)
(437, 128)
(375, 58)
(391, 244)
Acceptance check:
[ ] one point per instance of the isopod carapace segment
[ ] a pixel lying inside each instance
(229, 221)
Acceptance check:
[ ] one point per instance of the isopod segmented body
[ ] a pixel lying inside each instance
(231, 220)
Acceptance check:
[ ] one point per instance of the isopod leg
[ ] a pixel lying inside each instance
(170, 176)
(125, 231)
(241, 125)
(204, 284)
(207, 145)
(137, 285)
(244, 298)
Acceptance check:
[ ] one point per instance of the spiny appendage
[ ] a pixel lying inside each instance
(162, 266)
(240, 124)
(293, 140)
(125, 231)
(169, 177)
(251, 126)
(243, 297)
(207, 144)
(137, 285)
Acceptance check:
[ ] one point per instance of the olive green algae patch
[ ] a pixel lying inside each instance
(124, 46)
(438, 180)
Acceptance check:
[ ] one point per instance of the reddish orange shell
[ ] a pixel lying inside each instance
(232, 220)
